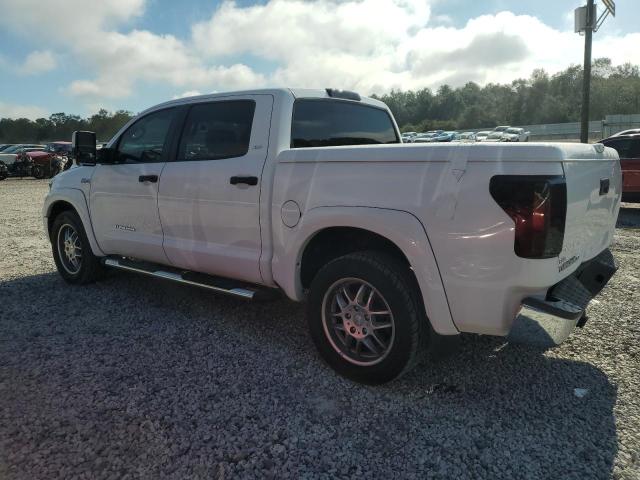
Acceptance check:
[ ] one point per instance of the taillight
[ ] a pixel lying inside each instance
(537, 204)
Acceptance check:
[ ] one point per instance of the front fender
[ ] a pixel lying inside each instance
(75, 197)
(400, 227)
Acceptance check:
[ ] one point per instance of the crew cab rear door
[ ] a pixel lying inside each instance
(124, 194)
(210, 190)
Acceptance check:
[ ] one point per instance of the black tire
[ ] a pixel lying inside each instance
(89, 267)
(37, 171)
(392, 280)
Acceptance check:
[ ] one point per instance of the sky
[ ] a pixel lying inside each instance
(77, 56)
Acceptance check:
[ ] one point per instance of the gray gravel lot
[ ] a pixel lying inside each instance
(137, 378)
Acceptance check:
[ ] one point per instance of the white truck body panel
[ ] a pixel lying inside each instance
(124, 211)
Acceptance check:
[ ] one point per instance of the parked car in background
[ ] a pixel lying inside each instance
(465, 137)
(55, 158)
(424, 137)
(626, 132)
(407, 136)
(9, 155)
(515, 134)
(446, 137)
(628, 148)
(481, 136)
(494, 137)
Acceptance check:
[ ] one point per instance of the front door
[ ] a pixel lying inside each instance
(209, 194)
(124, 194)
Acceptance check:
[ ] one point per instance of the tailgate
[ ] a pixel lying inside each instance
(594, 188)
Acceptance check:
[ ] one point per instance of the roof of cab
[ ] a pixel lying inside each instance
(276, 92)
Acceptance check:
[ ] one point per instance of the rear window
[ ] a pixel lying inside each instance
(327, 123)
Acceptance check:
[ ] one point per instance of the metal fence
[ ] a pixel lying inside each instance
(570, 132)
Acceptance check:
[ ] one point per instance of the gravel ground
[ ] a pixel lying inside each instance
(137, 378)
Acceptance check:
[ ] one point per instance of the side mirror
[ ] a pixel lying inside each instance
(84, 147)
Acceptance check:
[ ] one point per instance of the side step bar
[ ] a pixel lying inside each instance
(216, 284)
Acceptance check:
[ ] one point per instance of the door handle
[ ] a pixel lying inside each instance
(148, 178)
(247, 180)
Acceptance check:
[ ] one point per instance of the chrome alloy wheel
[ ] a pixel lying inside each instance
(357, 321)
(69, 249)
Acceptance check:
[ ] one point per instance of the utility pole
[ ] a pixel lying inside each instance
(586, 76)
(587, 22)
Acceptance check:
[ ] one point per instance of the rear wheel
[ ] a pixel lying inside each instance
(72, 253)
(365, 319)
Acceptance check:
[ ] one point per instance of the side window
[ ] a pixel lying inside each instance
(146, 140)
(217, 130)
(325, 123)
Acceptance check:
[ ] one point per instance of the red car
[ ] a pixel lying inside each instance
(47, 163)
(628, 147)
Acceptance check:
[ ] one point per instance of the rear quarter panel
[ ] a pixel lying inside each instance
(445, 187)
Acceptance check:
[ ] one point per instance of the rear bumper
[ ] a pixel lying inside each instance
(548, 320)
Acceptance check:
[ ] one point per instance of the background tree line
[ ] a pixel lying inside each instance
(60, 126)
(542, 98)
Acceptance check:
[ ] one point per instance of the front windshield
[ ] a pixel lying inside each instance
(12, 149)
(501, 129)
(57, 148)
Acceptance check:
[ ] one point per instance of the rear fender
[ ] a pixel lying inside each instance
(400, 227)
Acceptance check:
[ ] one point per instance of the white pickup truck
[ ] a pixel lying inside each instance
(310, 192)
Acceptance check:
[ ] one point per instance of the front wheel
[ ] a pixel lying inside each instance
(72, 253)
(365, 317)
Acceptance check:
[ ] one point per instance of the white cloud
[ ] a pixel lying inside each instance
(9, 110)
(188, 93)
(365, 45)
(38, 61)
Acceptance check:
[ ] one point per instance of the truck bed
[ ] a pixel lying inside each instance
(446, 187)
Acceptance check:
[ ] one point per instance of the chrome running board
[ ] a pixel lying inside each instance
(216, 284)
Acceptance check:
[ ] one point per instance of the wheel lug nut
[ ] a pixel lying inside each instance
(352, 329)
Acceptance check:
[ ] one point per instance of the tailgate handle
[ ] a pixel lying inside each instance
(604, 186)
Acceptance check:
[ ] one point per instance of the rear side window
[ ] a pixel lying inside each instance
(326, 123)
(217, 130)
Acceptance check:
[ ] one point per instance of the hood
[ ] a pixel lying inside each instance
(39, 154)
(8, 158)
